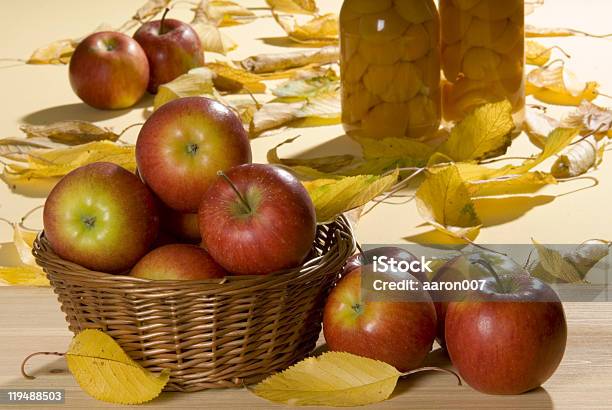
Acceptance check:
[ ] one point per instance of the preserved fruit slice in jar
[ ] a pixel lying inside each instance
(465, 4)
(480, 63)
(509, 39)
(415, 43)
(451, 61)
(386, 120)
(483, 33)
(429, 66)
(382, 27)
(423, 116)
(354, 69)
(414, 11)
(495, 9)
(373, 53)
(357, 102)
(455, 23)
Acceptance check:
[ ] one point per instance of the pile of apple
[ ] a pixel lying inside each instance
(507, 338)
(196, 209)
(110, 70)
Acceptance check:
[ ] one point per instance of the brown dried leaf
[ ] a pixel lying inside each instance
(212, 38)
(70, 132)
(150, 9)
(578, 159)
(535, 32)
(229, 13)
(57, 52)
(269, 63)
(538, 126)
(592, 118)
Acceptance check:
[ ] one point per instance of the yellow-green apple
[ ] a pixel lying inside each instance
(400, 333)
(509, 337)
(178, 262)
(109, 70)
(183, 145)
(257, 219)
(102, 217)
(172, 47)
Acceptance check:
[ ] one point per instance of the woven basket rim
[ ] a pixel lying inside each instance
(46, 257)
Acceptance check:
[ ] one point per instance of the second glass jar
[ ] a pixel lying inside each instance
(482, 55)
(390, 68)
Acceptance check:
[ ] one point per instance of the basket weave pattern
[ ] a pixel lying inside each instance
(209, 334)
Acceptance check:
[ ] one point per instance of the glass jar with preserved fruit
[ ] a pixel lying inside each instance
(390, 68)
(483, 44)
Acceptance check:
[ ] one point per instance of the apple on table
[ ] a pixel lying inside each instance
(172, 48)
(109, 70)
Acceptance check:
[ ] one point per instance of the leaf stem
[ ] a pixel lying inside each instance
(24, 362)
(433, 369)
(240, 196)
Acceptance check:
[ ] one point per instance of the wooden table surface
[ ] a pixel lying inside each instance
(30, 321)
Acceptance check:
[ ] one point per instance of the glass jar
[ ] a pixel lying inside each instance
(483, 47)
(390, 68)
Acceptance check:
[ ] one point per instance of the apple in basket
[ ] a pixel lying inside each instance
(183, 145)
(178, 262)
(400, 333)
(101, 216)
(257, 219)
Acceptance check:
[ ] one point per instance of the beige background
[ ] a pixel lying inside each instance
(30, 319)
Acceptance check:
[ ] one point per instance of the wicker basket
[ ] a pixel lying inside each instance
(210, 334)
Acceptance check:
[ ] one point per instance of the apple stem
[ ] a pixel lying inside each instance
(488, 267)
(163, 20)
(433, 369)
(240, 196)
(362, 253)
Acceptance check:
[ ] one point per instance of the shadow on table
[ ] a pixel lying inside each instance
(430, 385)
(80, 111)
(40, 367)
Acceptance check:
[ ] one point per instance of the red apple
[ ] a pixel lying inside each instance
(396, 332)
(184, 144)
(257, 219)
(109, 70)
(508, 338)
(178, 262)
(102, 217)
(172, 47)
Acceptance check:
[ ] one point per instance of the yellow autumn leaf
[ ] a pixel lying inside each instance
(578, 159)
(229, 13)
(333, 197)
(293, 6)
(529, 182)
(332, 379)
(308, 85)
(556, 265)
(320, 30)
(107, 373)
(534, 32)
(235, 80)
(70, 132)
(49, 163)
(150, 9)
(57, 52)
(23, 276)
(556, 142)
(482, 134)
(537, 53)
(394, 147)
(444, 201)
(28, 273)
(211, 37)
(198, 81)
(555, 84)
